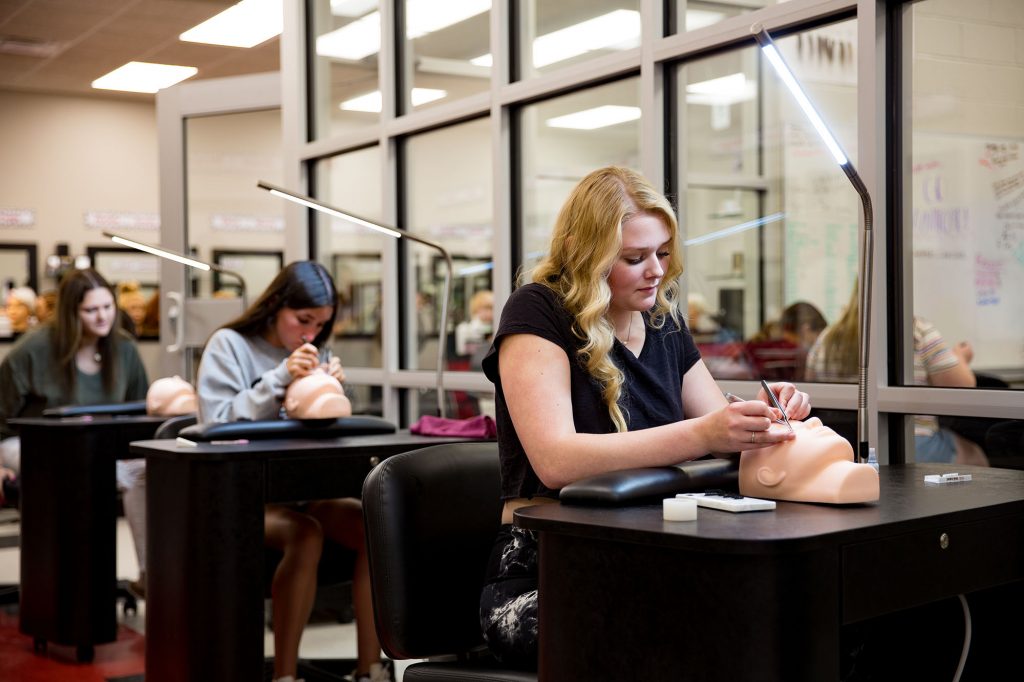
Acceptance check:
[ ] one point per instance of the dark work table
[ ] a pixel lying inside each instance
(204, 608)
(69, 525)
(763, 595)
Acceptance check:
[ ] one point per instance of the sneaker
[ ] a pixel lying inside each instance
(379, 672)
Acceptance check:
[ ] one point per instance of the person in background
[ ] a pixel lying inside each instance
(81, 357)
(475, 331)
(595, 371)
(834, 357)
(21, 309)
(132, 303)
(46, 306)
(801, 323)
(246, 367)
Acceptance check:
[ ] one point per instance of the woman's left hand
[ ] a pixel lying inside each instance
(335, 369)
(797, 404)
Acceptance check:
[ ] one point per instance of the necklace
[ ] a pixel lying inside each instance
(97, 357)
(629, 331)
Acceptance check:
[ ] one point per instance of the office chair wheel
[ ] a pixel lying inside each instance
(85, 653)
(39, 645)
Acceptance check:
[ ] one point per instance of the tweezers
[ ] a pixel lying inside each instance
(775, 403)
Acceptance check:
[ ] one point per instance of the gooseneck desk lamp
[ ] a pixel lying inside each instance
(396, 233)
(867, 236)
(178, 258)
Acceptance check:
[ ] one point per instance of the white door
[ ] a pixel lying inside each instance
(218, 137)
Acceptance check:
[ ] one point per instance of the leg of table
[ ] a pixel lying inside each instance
(68, 535)
(618, 611)
(204, 610)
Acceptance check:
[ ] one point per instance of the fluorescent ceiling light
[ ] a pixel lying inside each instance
(372, 102)
(144, 77)
(483, 60)
(246, 24)
(353, 41)
(352, 8)
(725, 90)
(598, 117)
(361, 38)
(618, 30)
(699, 18)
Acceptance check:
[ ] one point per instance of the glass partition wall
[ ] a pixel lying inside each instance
(770, 224)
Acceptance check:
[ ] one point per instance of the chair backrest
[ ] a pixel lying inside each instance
(173, 425)
(431, 517)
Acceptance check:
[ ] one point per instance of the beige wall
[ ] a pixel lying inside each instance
(63, 156)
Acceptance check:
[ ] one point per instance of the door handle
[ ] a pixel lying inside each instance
(176, 314)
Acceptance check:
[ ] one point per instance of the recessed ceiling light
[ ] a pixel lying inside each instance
(246, 24)
(726, 90)
(144, 77)
(618, 30)
(352, 8)
(483, 60)
(372, 103)
(361, 38)
(598, 117)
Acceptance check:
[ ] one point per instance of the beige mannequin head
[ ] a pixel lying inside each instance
(316, 396)
(817, 466)
(170, 396)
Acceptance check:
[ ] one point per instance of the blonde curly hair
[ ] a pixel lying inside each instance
(585, 243)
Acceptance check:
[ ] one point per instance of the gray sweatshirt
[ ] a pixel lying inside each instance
(241, 378)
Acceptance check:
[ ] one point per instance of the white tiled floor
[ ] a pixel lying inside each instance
(321, 640)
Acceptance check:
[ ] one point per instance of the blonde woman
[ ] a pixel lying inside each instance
(595, 371)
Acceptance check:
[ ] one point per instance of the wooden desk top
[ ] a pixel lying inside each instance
(906, 504)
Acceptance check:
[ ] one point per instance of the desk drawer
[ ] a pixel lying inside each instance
(917, 568)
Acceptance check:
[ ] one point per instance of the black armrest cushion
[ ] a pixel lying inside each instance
(637, 486)
(355, 425)
(133, 407)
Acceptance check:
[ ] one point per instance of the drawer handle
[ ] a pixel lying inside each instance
(944, 541)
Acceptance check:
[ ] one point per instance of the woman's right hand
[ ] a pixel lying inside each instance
(303, 361)
(745, 425)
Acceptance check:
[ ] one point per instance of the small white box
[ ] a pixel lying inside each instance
(679, 509)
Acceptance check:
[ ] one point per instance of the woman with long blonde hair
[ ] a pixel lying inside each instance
(595, 371)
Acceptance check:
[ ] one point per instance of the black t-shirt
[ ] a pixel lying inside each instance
(651, 392)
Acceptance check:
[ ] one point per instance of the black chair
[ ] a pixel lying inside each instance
(431, 518)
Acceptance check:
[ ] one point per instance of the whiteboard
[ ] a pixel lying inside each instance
(967, 224)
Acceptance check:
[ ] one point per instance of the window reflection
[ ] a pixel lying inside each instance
(448, 181)
(448, 46)
(351, 181)
(558, 33)
(565, 138)
(964, 187)
(344, 58)
(691, 15)
(974, 441)
(770, 221)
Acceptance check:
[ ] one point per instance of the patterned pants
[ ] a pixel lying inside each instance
(508, 603)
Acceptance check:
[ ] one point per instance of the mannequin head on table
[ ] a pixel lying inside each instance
(170, 396)
(316, 396)
(817, 466)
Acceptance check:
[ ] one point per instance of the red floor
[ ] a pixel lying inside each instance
(19, 663)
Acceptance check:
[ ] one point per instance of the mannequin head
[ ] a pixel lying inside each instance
(21, 306)
(316, 396)
(170, 396)
(817, 466)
